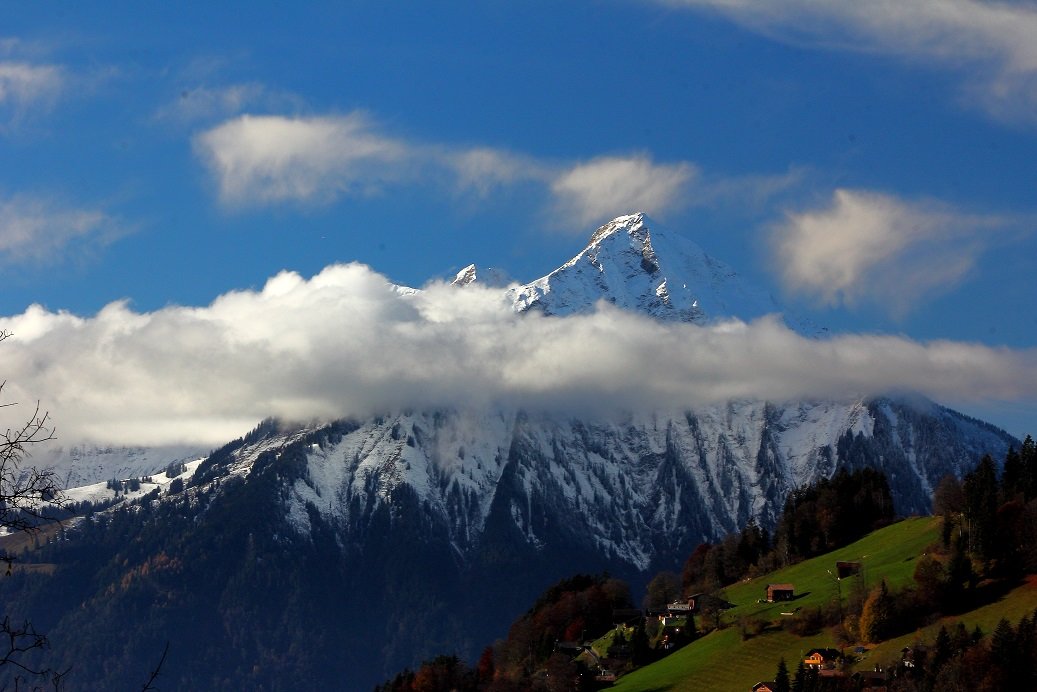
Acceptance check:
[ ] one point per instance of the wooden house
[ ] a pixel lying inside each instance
(820, 659)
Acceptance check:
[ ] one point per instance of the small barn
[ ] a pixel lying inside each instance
(847, 569)
(780, 592)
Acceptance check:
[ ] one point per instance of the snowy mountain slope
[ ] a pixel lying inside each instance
(640, 491)
(103, 492)
(84, 464)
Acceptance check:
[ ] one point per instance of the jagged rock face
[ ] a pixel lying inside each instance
(642, 491)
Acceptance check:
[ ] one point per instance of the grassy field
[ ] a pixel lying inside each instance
(888, 553)
(1018, 602)
(722, 661)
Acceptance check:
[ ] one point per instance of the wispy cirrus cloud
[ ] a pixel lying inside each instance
(870, 246)
(202, 374)
(991, 44)
(484, 169)
(204, 103)
(37, 230)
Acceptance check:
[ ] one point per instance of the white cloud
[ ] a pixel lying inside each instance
(259, 160)
(484, 169)
(991, 42)
(346, 342)
(42, 231)
(872, 246)
(263, 159)
(609, 186)
(24, 86)
(270, 159)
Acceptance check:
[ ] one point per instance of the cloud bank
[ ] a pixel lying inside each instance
(991, 43)
(876, 247)
(346, 342)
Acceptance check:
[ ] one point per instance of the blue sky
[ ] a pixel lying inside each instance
(872, 164)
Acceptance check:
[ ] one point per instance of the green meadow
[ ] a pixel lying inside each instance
(722, 660)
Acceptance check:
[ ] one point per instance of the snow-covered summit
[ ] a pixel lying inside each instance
(635, 264)
(486, 277)
(465, 276)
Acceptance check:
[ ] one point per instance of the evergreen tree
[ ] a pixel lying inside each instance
(1028, 461)
(948, 502)
(1012, 476)
(980, 489)
(1005, 653)
(941, 648)
(799, 682)
(960, 576)
(960, 638)
(781, 677)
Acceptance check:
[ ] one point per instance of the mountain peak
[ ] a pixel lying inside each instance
(646, 270)
(491, 277)
(465, 276)
(630, 223)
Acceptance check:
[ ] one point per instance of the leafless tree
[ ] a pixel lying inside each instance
(29, 497)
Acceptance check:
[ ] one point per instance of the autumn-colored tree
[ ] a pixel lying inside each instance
(486, 667)
(877, 614)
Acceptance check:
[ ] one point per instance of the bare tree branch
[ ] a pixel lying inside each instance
(155, 673)
(28, 497)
